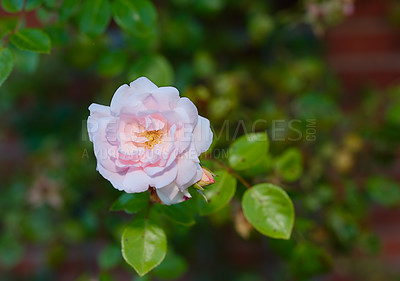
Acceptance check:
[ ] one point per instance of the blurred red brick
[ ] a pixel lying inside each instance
(365, 51)
(30, 17)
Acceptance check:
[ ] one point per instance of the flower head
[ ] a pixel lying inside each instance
(149, 137)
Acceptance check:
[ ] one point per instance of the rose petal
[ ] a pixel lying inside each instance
(196, 178)
(150, 102)
(164, 178)
(183, 138)
(142, 85)
(116, 179)
(188, 110)
(118, 100)
(101, 146)
(112, 131)
(132, 95)
(171, 194)
(152, 170)
(97, 111)
(167, 97)
(202, 134)
(186, 171)
(136, 180)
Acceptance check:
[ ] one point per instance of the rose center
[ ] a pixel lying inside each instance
(154, 137)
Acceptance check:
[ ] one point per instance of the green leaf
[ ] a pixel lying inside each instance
(68, 8)
(109, 257)
(11, 249)
(12, 6)
(32, 4)
(144, 245)
(94, 17)
(31, 39)
(218, 194)
(131, 202)
(44, 15)
(112, 64)
(58, 34)
(105, 277)
(289, 164)
(155, 67)
(248, 150)
(264, 166)
(383, 191)
(203, 64)
(143, 278)
(26, 61)
(7, 25)
(314, 260)
(344, 225)
(52, 4)
(370, 243)
(137, 17)
(173, 267)
(6, 64)
(269, 209)
(179, 213)
(259, 27)
(393, 113)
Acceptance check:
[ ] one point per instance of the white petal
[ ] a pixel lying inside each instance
(97, 111)
(116, 179)
(151, 171)
(191, 153)
(112, 131)
(188, 110)
(186, 171)
(136, 180)
(165, 177)
(119, 99)
(102, 147)
(167, 97)
(173, 117)
(171, 194)
(184, 137)
(196, 178)
(142, 85)
(202, 134)
(132, 95)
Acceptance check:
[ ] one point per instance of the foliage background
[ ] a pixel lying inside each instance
(240, 61)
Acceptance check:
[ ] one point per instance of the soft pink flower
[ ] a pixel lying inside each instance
(149, 137)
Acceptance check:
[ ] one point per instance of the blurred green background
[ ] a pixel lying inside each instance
(249, 66)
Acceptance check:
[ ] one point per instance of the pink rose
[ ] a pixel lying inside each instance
(149, 137)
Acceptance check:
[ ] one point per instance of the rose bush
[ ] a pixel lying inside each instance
(149, 137)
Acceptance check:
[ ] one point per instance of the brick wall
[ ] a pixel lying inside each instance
(365, 51)
(365, 48)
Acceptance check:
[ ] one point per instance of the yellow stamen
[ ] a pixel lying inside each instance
(154, 137)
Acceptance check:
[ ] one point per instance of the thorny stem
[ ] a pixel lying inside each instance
(232, 172)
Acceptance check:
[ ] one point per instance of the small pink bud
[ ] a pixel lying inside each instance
(206, 179)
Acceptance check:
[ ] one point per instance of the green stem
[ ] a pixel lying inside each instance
(232, 172)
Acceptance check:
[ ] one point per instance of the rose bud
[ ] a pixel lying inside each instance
(206, 179)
